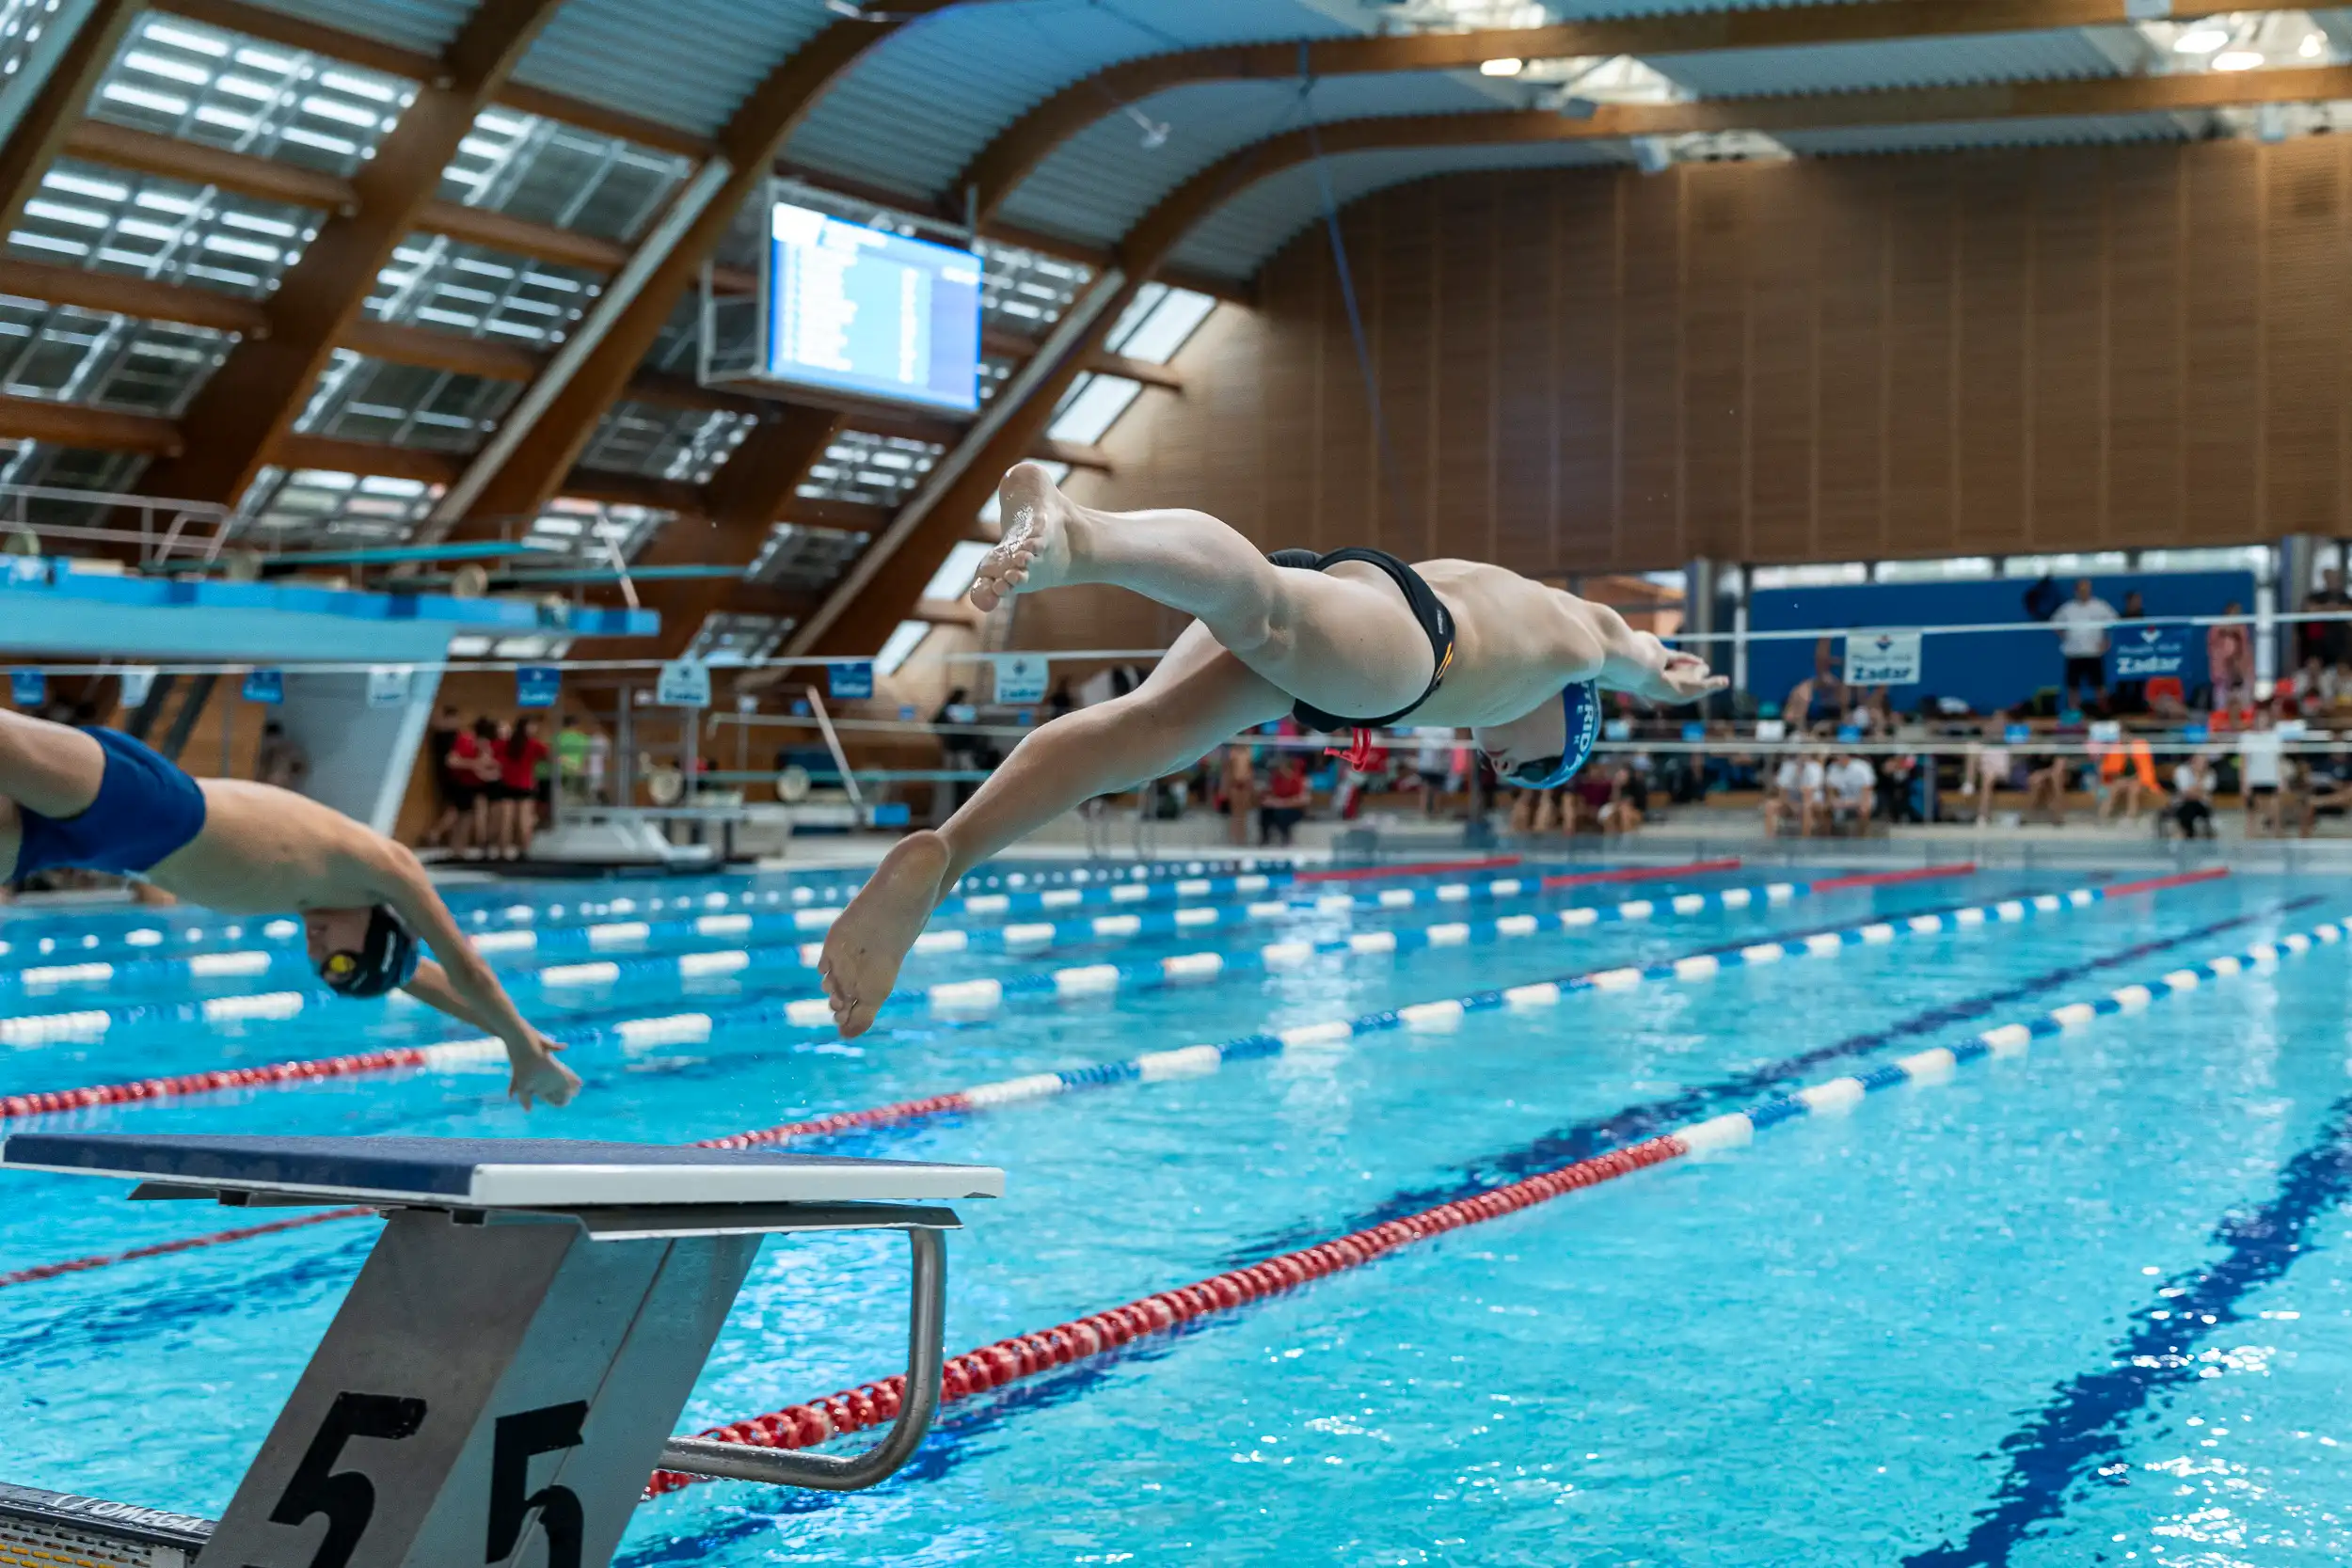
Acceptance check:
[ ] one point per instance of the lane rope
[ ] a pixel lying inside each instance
(994, 1366)
(905, 1112)
(1442, 1016)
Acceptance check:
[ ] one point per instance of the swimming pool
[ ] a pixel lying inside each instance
(2083, 1303)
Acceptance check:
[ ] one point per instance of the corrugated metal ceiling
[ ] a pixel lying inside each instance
(424, 26)
(1099, 183)
(687, 63)
(911, 114)
(1910, 63)
(2070, 130)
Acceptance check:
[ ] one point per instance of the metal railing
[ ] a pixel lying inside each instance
(926, 1354)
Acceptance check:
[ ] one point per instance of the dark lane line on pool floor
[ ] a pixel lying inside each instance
(1043, 1352)
(1631, 1124)
(2082, 1427)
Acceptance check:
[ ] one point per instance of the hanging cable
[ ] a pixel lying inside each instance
(1389, 469)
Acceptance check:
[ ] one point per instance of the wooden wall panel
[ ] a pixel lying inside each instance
(1782, 369)
(2303, 337)
(1589, 369)
(1994, 346)
(1347, 458)
(1458, 511)
(1588, 301)
(1524, 445)
(1404, 338)
(2146, 311)
(2221, 409)
(2065, 414)
(1653, 290)
(1922, 495)
(1853, 365)
(1715, 358)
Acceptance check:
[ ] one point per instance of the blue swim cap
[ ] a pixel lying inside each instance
(1579, 703)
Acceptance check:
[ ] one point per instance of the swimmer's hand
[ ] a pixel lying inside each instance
(1685, 678)
(539, 1076)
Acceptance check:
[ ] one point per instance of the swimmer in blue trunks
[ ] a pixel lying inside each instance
(1352, 640)
(98, 801)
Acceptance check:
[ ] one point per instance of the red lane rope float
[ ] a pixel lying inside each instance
(2158, 884)
(1889, 879)
(1641, 873)
(50, 1102)
(801, 1426)
(1419, 868)
(189, 1244)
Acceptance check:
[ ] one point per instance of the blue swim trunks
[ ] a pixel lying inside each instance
(146, 809)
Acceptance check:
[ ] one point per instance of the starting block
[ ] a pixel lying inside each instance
(506, 1373)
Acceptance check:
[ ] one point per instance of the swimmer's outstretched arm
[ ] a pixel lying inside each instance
(1638, 663)
(463, 984)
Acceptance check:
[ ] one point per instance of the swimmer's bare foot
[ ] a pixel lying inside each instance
(1034, 552)
(865, 946)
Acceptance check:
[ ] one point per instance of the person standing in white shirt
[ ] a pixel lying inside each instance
(2082, 625)
(2262, 757)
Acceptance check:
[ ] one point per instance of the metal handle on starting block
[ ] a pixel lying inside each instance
(927, 1334)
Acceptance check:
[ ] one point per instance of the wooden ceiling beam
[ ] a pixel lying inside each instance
(743, 503)
(291, 32)
(125, 294)
(35, 139)
(78, 425)
(251, 401)
(1016, 152)
(534, 468)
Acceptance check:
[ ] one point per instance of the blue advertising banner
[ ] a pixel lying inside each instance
(2143, 652)
(536, 685)
(27, 688)
(265, 686)
(854, 679)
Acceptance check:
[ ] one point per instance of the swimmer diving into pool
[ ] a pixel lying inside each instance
(1324, 637)
(98, 801)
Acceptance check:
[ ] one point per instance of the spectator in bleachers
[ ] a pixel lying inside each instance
(2127, 778)
(1286, 798)
(1988, 765)
(1237, 790)
(2192, 803)
(1433, 765)
(2230, 660)
(2327, 642)
(2047, 778)
(1851, 785)
(2082, 624)
(1796, 794)
(2262, 772)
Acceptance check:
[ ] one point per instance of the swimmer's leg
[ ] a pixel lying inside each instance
(1342, 641)
(1199, 697)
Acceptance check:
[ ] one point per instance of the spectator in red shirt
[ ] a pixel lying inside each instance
(519, 755)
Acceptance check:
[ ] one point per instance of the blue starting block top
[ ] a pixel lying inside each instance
(496, 1173)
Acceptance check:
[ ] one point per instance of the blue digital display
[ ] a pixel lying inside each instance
(871, 314)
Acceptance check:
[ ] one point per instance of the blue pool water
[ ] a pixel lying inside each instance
(1959, 1324)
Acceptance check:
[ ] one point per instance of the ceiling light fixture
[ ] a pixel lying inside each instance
(2200, 40)
(2236, 59)
(2312, 46)
(1501, 68)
